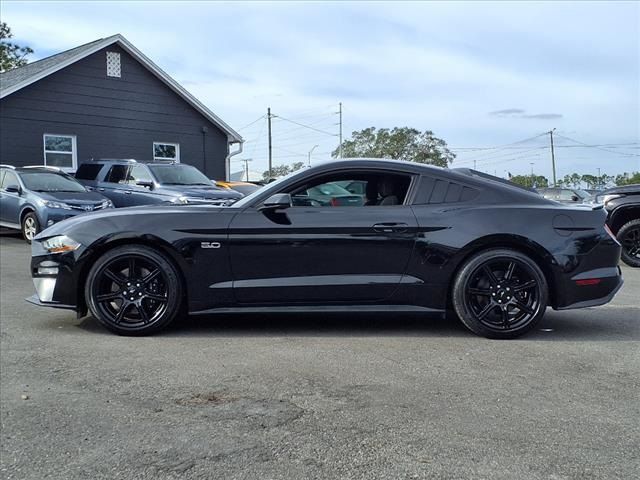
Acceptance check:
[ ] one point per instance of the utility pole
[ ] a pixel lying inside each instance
(599, 181)
(340, 145)
(246, 167)
(553, 157)
(311, 151)
(269, 128)
(532, 164)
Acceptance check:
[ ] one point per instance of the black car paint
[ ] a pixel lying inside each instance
(401, 255)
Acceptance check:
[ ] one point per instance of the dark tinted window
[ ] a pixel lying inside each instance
(118, 174)
(432, 190)
(88, 171)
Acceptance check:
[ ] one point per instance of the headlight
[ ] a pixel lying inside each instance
(611, 196)
(60, 244)
(106, 204)
(180, 199)
(52, 204)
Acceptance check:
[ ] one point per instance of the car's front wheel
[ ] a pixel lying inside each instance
(134, 290)
(500, 293)
(30, 226)
(629, 238)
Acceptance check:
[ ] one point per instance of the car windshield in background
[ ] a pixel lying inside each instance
(179, 175)
(583, 194)
(50, 182)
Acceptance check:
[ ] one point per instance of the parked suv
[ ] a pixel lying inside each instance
(623, 207)
(128, 183)
(33, 198)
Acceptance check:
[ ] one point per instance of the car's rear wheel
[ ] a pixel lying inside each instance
(133, 290)
(500, 293)
(629, 238)
(30, 226)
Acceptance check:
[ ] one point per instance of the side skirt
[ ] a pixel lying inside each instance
(322, 309)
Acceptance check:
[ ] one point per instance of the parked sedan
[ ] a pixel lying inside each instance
(33, 198)
(496, 253)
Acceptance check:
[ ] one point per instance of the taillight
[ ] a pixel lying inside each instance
(588, 281)
(335, 202)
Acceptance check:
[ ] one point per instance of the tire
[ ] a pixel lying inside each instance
(134, 290)
(629, 238)
(500, 294)
(30, 226)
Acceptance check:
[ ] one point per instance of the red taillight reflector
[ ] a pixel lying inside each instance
(334, 202)
(588, 281)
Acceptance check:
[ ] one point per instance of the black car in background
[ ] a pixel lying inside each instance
(129, 183)
(623, 208)
(430, 239)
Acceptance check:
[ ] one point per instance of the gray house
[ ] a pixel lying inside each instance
(106, 99)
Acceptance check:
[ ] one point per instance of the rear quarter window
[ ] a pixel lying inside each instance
(435, 190)
(88, 171)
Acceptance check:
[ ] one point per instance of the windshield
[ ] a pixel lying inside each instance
(179, 175)
(50, 182)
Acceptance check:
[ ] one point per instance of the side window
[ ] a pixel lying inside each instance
(60, 151)
(10, 178)
(567, 195)
(88, 171)
(139, 173)
(119, 174)
(353, 190)
(1, 177)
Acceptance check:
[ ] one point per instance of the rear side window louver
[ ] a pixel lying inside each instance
(434, 190)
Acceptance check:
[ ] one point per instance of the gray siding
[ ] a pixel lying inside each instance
(111, 117)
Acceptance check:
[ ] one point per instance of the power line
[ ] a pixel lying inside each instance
(255, 121)
(303, 125)
(586, 145)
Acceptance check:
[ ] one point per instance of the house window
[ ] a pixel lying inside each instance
(166, 151)
(113, 64)
(60, 151)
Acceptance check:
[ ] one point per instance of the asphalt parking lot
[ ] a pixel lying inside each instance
(314, 396)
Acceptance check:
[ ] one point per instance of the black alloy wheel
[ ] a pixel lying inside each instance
(500, 294)
(629, 238)
(133, 290)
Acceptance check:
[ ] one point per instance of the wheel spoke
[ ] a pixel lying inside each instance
(116, 278)
(509, 273)
(143, 312)
(523, 307)
(480, 291)
(155, 296)
(505, 317)
(108, 296)
(525, 286)
(123, 309)
(485, 311)
(150, 276)
(132, 268)
(492, 278)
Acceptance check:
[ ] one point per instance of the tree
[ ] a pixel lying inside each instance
(627, 178)
(11, 55)
(281, 170)
(536, 181)
(399, 143)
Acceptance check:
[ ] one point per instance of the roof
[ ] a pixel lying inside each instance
(18, 78)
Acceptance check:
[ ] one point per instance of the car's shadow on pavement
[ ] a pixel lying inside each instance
(585, 325)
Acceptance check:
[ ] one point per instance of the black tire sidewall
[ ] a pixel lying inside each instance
(624, 256)
(174, 289)
(24, 221)
(458, 293)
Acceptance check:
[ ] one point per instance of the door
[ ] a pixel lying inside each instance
(9, 201)
(320, 252)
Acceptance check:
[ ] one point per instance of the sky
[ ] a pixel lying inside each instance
(483, 76)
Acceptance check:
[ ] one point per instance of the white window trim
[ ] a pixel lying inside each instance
(164, 159)
(74, 150)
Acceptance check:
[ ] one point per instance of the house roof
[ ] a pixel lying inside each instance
(18, 78)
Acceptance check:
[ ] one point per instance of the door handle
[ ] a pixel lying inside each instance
(390, 227)
(100, 189)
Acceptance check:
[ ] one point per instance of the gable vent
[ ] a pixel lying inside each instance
(113, 64)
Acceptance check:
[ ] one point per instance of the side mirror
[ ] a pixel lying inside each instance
(279, 201)
(13, 189)
(145, 183)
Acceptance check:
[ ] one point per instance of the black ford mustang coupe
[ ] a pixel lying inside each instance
(417, 238)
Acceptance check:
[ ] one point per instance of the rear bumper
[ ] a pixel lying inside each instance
(590, 288)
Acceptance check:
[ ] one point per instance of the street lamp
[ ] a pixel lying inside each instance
(311, 151)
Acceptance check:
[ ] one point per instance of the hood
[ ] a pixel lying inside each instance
(626, 189)
(114, 217)
(201, 191)
(74, 198)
